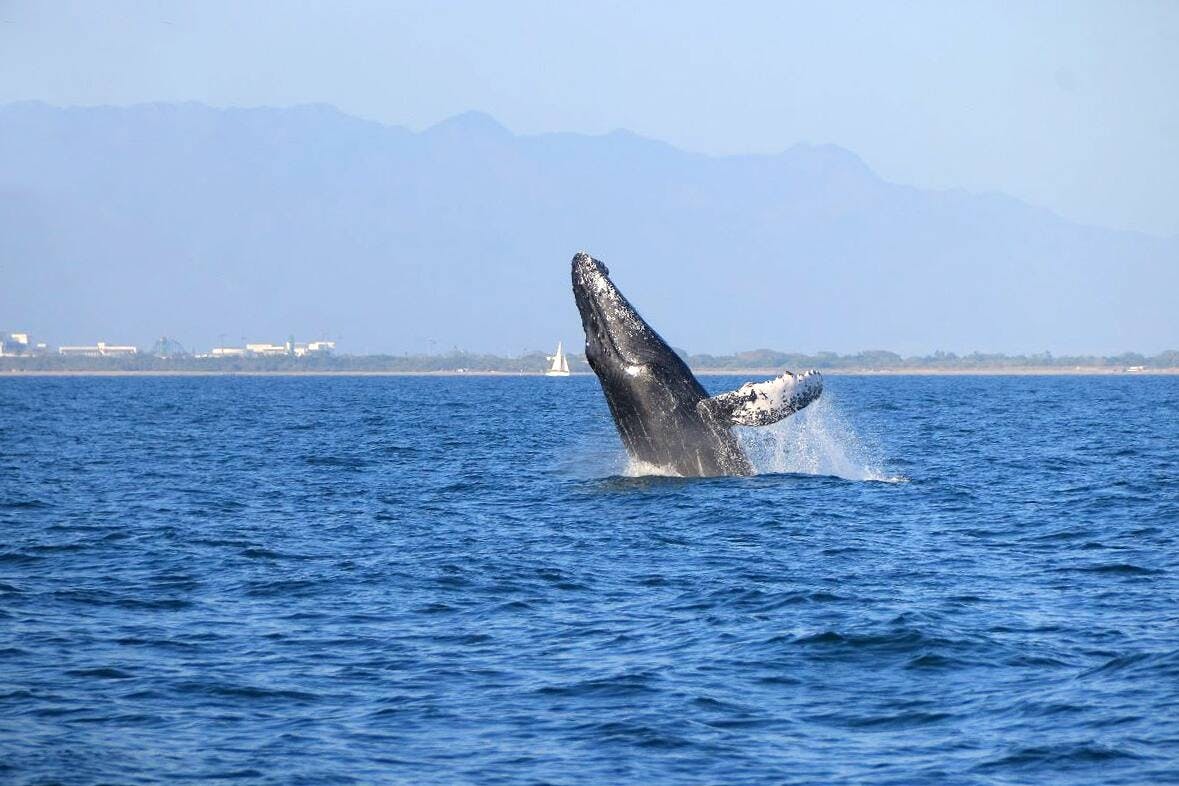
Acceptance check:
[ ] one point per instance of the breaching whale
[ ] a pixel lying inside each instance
(663, 414)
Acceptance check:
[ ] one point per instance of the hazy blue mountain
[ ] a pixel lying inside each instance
(180, 219)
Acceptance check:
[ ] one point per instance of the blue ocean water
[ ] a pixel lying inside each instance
(934, 580)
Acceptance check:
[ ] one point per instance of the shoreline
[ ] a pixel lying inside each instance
(850, 372)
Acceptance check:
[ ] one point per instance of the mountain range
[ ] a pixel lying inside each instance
(212, 225)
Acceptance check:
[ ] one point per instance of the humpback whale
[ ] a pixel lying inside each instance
(664, 416)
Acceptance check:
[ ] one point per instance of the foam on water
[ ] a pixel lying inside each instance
(816, 441)
(639, 469)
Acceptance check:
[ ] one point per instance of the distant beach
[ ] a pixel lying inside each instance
(758, 362)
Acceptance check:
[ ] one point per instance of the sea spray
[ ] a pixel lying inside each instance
(638, 469)
(817, 441)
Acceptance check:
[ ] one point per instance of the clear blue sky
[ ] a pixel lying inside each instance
(1073, 106)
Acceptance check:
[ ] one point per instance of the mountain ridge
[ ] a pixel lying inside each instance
(262, 221)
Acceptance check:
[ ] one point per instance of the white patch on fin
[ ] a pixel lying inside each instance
(763, 403)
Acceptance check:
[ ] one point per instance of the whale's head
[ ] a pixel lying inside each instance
(617, 340)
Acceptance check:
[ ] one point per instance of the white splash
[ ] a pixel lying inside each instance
(816, 441)
(639, 469)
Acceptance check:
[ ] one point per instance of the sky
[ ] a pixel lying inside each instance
(1073, 106)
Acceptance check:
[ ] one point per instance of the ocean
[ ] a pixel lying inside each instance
(426, 580)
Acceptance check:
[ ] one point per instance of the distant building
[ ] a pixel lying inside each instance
(266, 350)
(315, 348)
(14, 344)
(101, 349)
(259, 349)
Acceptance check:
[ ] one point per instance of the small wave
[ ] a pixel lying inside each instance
(341, 462)
(932, 660)
(102, 673)
(633, 733)
(263, 553)
(622, 685)
(1163, 664)
(93, 597)
(900, 720)
(23, 504)
(281, 587)
(258, 552)
(1059, 755)
(1114, 568)
(616, 483)
(247, 692)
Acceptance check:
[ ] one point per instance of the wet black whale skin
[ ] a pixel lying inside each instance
(651, 392)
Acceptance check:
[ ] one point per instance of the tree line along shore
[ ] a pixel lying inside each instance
(763, 360)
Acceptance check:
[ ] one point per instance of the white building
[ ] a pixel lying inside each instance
(315, 348)
(259, 349)
(101, 349)
(266, 349)
(12, 344)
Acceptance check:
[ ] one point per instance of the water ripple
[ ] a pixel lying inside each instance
(421, 580)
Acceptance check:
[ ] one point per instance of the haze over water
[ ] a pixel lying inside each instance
(448, 580)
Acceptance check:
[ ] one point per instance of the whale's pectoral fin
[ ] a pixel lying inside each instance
(763, 403)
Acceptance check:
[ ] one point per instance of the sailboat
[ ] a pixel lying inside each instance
(560, 367)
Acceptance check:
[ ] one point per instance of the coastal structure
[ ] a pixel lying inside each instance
(14, 343)
(19, 345)
(265, 349)
(166, 348)
(101, 349)
(317, 347)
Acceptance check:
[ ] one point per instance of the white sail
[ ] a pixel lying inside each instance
(560, 367)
